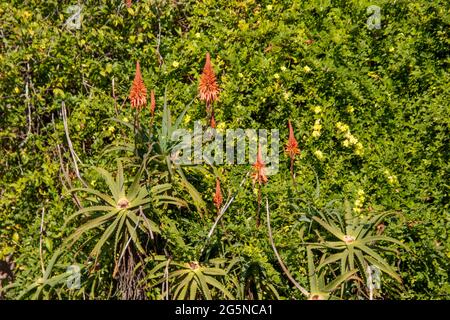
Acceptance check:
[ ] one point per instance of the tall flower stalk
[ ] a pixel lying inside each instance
(292, 149)
(218, 199)
(212, 123)
(259, 175)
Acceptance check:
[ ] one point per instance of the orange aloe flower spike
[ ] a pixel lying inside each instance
(259, 168)
(218, 199)
(138, 92)
(292, 144)
(208, 88)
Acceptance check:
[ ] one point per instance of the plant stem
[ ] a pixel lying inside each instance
(41, 234)
(292, 171)
(69, 142)
(283, 266)
(222, 212)
(258, 214)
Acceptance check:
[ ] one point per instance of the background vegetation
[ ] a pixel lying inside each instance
(370, 110)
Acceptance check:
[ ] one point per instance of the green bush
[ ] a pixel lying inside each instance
(370, 110)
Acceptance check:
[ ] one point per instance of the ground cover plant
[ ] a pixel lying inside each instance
(99, 198)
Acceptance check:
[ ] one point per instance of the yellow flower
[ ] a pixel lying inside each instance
(360, 192)
(350, 109)
(283, 68)
(175, 64)
(357, 210)
(317, 125)
(269, 7)
(316, 134)
(342, 127)
(306, 69)
(392, 179)
(345, 143)
(187, 119)
(276, 76)
(221, 126)
(359, 149)
(352, 139)
(319, 154)
(198, 35)
(317, 109)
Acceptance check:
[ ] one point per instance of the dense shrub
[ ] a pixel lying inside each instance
(370, 110)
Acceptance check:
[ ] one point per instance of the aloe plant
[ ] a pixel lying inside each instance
(356, 245)
(319, 289)
(154, 146)
(48, 284)
(188, 280)
(121, 213)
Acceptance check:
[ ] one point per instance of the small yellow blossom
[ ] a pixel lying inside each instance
(352, 140)
(317, 125)
(350, 109)
(221, 126)
(175, 64)
(342, 127)
(319, 154)
(316, 134)
(317, 109)
(283, 68)
(276, 76)
(306, 69)
(357, 210)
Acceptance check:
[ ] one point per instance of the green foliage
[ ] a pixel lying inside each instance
(356, 235)
(319, 290)
(370, 110)
(188, 280)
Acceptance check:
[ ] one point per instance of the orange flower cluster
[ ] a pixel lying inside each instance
(218, 199)
(292, 144)
(208, 88)
(138, 92)
(128, 3)
(259, 168)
